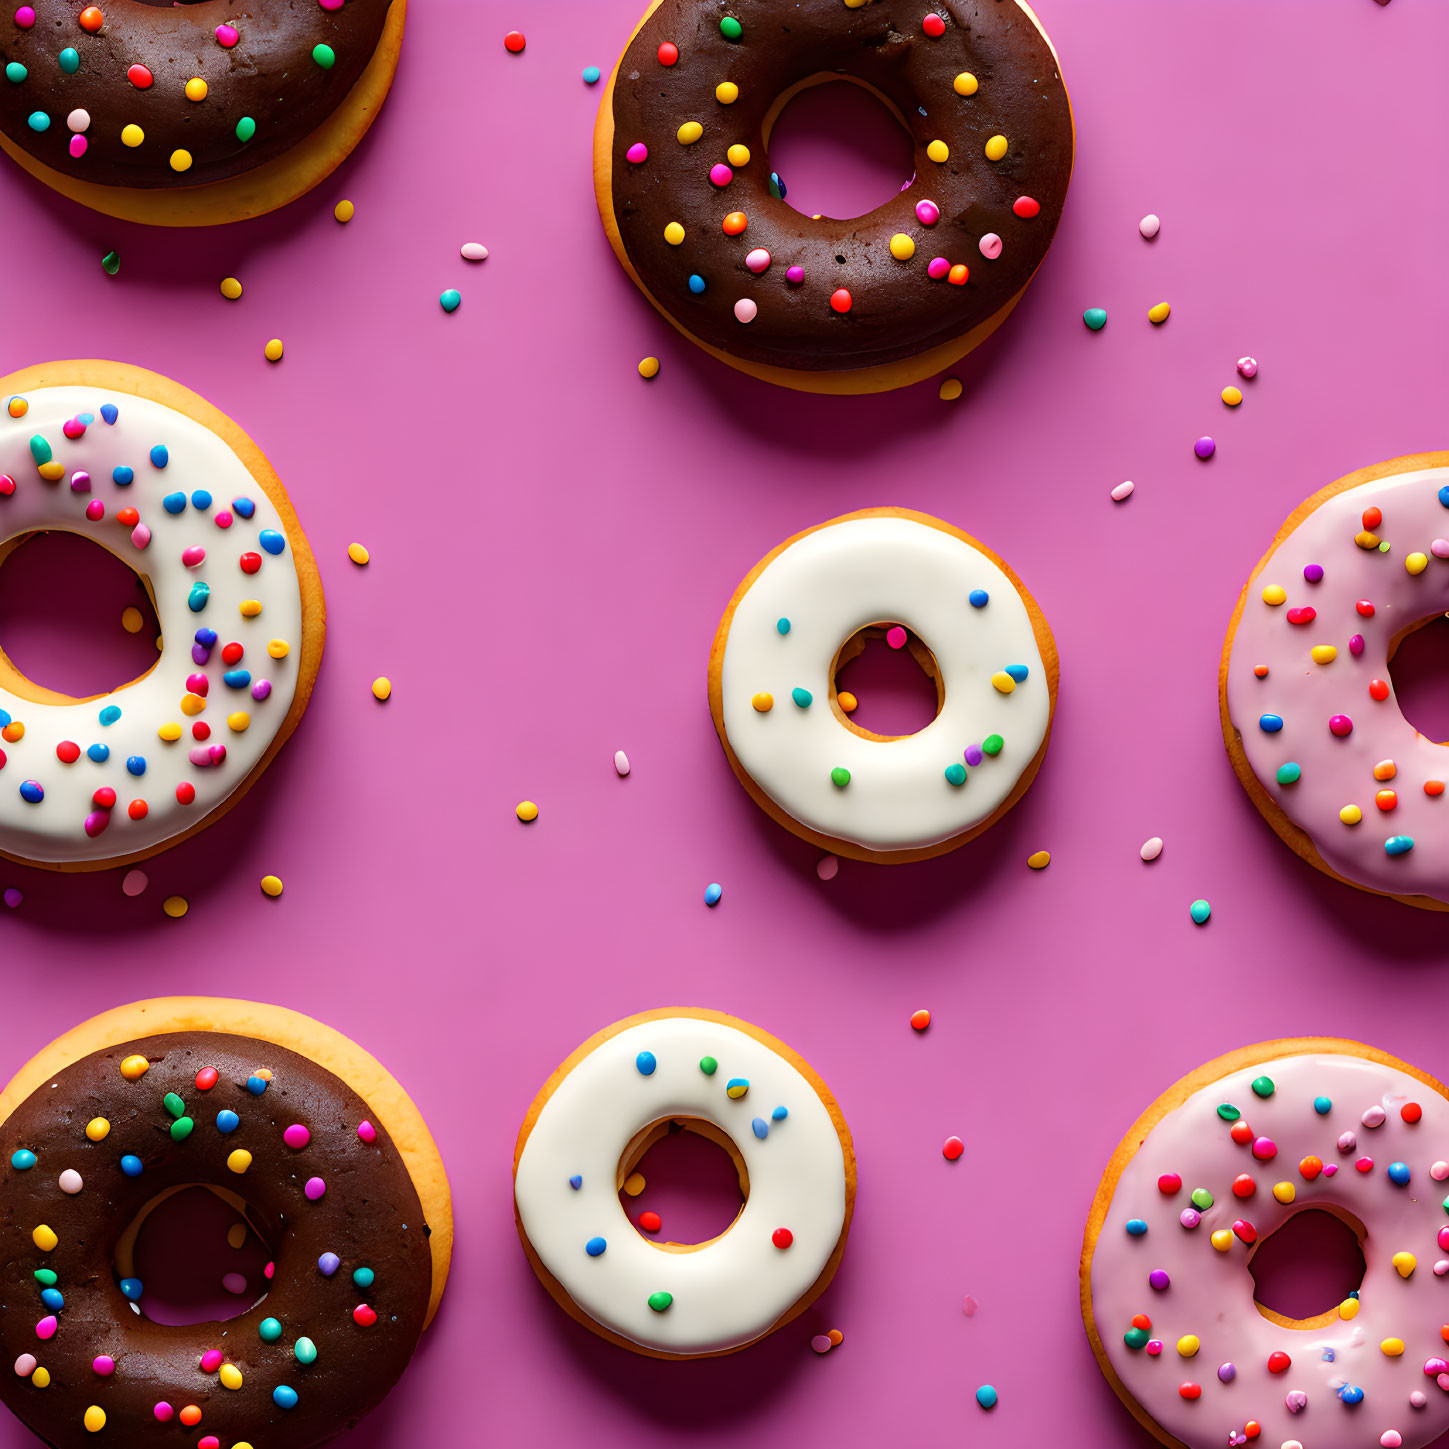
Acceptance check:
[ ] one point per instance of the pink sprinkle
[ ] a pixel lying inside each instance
(96, 822)
(896, 637)
(1440, 1171)
(990, 246)
(937, 268)
(79, 146)
(758, 260)
(927, 213)
(261, 689)
(330, 4)
(95, 510)
(46, 1327)
(227, 36)
(164, 1412)
(827, 867)
(80, 481)
(1374, 1117)
(1440, 548)
(1364, 1164)
(1391, 1439)
(233, 1283)
(268, 1271)
(315, 1188)
(637, 154)
(223, 519)
(821, 1343)
(218, 754)
(1347, 1142)
(367, 1132)
(968, 1306)
(1330, 1169)
(1265, 1149)
(1355, 645)
(25, 17)
(1154, 1347)
(193, 557)
(26, 1365)
(140, 535)
(73, 428)
(720, 174)
(200, 756)
(1435, 1366)
(211, 1361)
(1341, 725)
(296, 1136)
(795, 275)
(1248, 366)
(746, 310)
(198, 684)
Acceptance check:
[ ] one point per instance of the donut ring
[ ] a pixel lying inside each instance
(599, 1113)
(1190, 1196)
(87, 1143)
(973, 628)
(91, 783)
(856, 306)
(1317, 738)
(325, 112)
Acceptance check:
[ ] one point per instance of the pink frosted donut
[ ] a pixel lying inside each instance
(1309, 712)
(1192, 1194)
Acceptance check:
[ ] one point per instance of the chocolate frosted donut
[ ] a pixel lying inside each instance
(143, 98)
(698, 220)
(292, 1146)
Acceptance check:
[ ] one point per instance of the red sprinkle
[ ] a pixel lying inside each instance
(1141, 1320)
(1248, 1234)
(1190, 1390)
(840, 300)
(1365, 608)
(251, 562)
(1244, 1186)
(934, 25)
(128, 516)
(1372, 517)
(67, 752)
(782, 1237)
(1169, 1183)
(1378, 690)
(921, 1019)
(231, 653)
(1279, 1362)
(7, 485)
(514, 41)
(1241, 1133)
(1025, 206)
(1364, 1164)
(668, 53)
(104, 798)
(364, 1316)
(206, 1079)
(138, 809)
(1304, 614)
(140, 77)
(953, 1148)
(1411, 1111)
(650, 1222)
(186, 792)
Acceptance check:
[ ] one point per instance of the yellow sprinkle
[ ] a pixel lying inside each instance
(1039, 860)
(1404, 1264)
(855, 4)
(950, 389)
(1188, 1345)
(279, 649)
(938, 151)
(1002, 682)
(1232, 396)
(344, 211)
(996, 148)
(648, 367)
(847, 701)
(358, 554)
(965, 84)
(230, 1376)
(526, 811)
(271, 885)
(726, 93)
(689, 133)
(249, 608)
(181, 160)
(903, 248)
(52, 471)
(1323, 653)
(196, 89)
(176, 906)
(1393, 1347)
(1385, 770)
(236, 1235)
(132, 135)
(18, 407)
(1348, 1308)
(44, 1238)
(1350, 814)
(273, 350)
(381, 687)
(1222, 1240)
(134, 1068)
(231, 289)
(1159, 314)
(634, 1184)
(1274, 595)
(41, 1378)
(237, 721)
(131, 619)
(192, 704)
(738, 155)
(674, 233)
(98, 1129)
(764, 702)
(170, 732)
(1416, 563)
(239, 1161)
(95, 1419)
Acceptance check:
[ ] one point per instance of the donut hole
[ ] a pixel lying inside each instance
(1419, 669)
(180, 1246)
(695, 1182)
(839, 146)
(1304, 1269)
(897, 690)
(62, 601)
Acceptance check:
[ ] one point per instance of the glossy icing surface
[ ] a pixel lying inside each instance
(1330, 664)
(1335, 1124)
(727, 1292)
(222, 707)
(830, 584)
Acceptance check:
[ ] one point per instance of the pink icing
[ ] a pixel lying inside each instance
(1338, 770)
(1210, 1293)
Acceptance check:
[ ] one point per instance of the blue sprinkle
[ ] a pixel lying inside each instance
(243, 507)
(1017, 671)
(594, 1247)
(123, 476)
(802, 697)
(712, 892)
(760, 1128)
(777, 187)
(32, 792)
(237, 678)
(1399, 1173)
(110, 714)
(696, 283)
(256, 1085)
(131, 1165)
(576, 1182)
(780, 1113)
(591, 75)
(1136, 1227)
(160, 457)
(978, 598)
(136, 764)
(87, 418)
(131, 1288)
(782, 626)
(174, 502)
(646, 1063)
(1351, 1394)
(201, 499)
(110, 412)
(4, 719)
(1329, 1355)
(1270, 724)
(1399, 844)
(1322, 1106)
(271, 541)
(99, 753)
(283, 1397)
(52, 1298)
(196, 599)
(23, 1160)
(1444, 495)
(227, 1122)
(987, 1397)
(206, 638)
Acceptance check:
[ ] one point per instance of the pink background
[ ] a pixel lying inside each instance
(553, 541)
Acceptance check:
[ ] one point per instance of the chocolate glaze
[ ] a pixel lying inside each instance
(897, 310)
(370, 1216)
(268, 75)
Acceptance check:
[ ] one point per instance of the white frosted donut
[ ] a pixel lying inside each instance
(773, 695)
(589, 1125)
(179, 494)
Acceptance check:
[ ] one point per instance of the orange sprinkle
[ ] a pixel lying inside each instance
(1385, 770)
(1386, 799)
(1433, 787)
(921, 1019)
(735, 223)
(1261, 670)
(190, 1415)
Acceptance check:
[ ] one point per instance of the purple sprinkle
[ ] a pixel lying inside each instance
(795, 275)
(1158, 1279)
(13, 897)
(1313, 573)
(1227, 1372)
(328, 1264)
(199, 655)
(973, 755)
(1204, 448)
(261, 689)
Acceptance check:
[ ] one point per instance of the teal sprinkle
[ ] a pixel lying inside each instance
(38, 121)
(802, 697)
(40, 450)
(196, 599)
(15, 72)
(1289, 774)
(956, 773)
(70, 60)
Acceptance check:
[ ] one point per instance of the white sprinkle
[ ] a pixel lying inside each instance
(70, 1182)
(79, 122)
(134, 882)
(1150, 225)
(1248, 366)
(1123, 491)
(234, 1283)
(1374, 1117)
(968, 1306)
(474, 251)
(621, 762)
(1151, 849)
(826, 867)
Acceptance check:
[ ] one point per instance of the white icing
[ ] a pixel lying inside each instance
(832, 583)
(734, 1289)
(54, 829)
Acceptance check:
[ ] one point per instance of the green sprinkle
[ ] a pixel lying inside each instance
(708, 1066)
(111, 263)
(174, 1104)
(1228, 1112)
(840, 777)
(46, 1277)
(802, 697)
(1263, 1086)
(1200, 910)
(305, 1350)
(1385, 546)
(325, 56)
(1135, 1338)
(1095, 318)
(1290, 773)
(451, 300)
(15, 72)
(270, 1330)
(660, 1301)
(40, 450)
(992, 745)
(1202, 1199)
(731, 28)
(181, 1129)
(70, 60)
(956, 773)
(246, 128)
